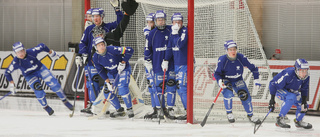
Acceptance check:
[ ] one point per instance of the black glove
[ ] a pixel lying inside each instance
(129, 6)
(271, 103)
(304, 105)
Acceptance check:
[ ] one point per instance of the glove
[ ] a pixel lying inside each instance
(12, 88)
(84, 58)
(108, 87)
(257, 84)
(146, 30)
(121, 67)
(129, 6)
(175, 28)
(148, 65)
(271, 103)
(164, 65)
(54, 55)
(115, 4)
(78, 60)
(304, 105)
(221, 84)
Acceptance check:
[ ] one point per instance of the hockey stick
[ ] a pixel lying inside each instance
(107, 104)
(75, 93)
(163, 83)
(208, 113)
(6, 95)
(255, 130)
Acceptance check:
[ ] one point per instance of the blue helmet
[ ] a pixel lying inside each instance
(160, 14)
(89, 11)
(177, 16)
(229, 44)
(150, 17)
(98, 40)
(98, 11)
(301, 64)
(17, 46)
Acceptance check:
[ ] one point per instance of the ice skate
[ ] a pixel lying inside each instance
(254, 119)
(169, 113)
(130, 113)
(302, 124)
(150, 115)
(158, 115)
(182, 117)
(49, 110)
(119, 113)
(230, 117)
(87, 111)
(281, 123)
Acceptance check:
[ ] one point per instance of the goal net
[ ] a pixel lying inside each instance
(215, 21)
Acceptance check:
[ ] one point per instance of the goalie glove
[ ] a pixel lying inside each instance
(115, 4)
(129, 6)
(164, 65)
(148, 65)
(175, 29)
(257, 84)
(54, 55)
(12, 88)
(221, 84)
(121, 67)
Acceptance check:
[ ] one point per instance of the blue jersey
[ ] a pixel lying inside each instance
(155, 48)
(108, 63)
(288, 80)
(29, 64)
(233, 70)
(178, 47)
(86, 42)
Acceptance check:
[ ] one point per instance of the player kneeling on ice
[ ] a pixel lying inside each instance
(228, 73)
(112, 61)
(34, 71)
(287, 86)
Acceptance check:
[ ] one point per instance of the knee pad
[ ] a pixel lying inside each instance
(37, 86)
(171, 82)
(95, 78)
(227, 93)
(243, 95)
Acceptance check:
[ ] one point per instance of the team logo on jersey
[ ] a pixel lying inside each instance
(238, 67)
(175, 48)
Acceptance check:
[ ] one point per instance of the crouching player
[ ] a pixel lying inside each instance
(112, 61)
(292, 87)
(34, 71)
(228, 73)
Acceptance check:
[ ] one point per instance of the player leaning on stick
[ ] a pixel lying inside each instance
(154, 52)
(34, 71)
(292, 87)
(228, 73)
(112, 61)
(178, 50)
(85, 49)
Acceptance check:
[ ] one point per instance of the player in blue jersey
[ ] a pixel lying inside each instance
(34, 71)
(88, 17)
(228, 74)
(112, 61)
(155, 48)
(292, 87)
(111, 38)
(146, 30)
(178, 50)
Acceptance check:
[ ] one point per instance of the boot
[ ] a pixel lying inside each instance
(87, 110)
(67, 103)
(281, 123)
(301, 124)
(119, 113)
(230, 117)
(169, 113)
(130, 112)
(150, 115)
(254, 119)
(49, 110)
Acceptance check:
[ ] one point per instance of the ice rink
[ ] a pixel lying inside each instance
(26, 121)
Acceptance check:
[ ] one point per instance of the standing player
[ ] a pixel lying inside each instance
(228, 73)
(112, 61)
(287, 86)
(88, 17)
(34, 71)
(85, 51)
(178, 49)
(156, 46)
(150, 26)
